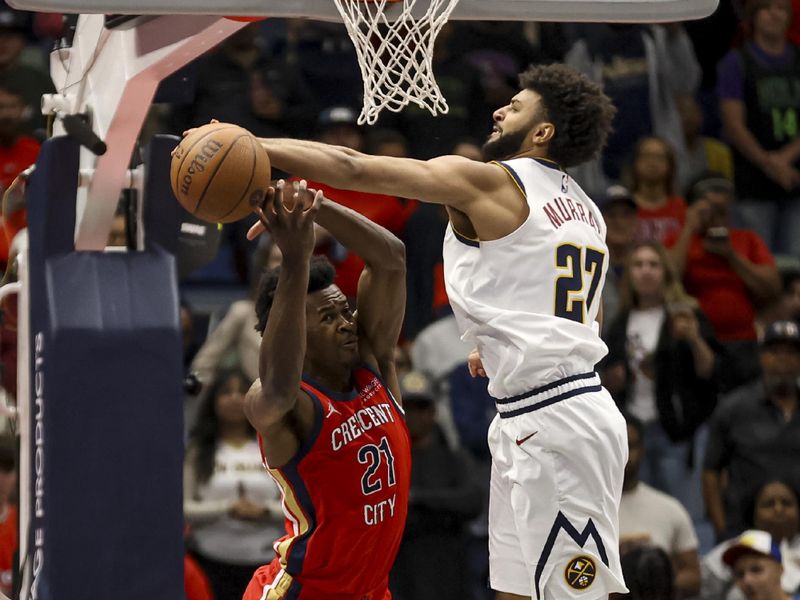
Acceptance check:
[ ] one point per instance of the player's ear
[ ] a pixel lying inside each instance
(542, 133)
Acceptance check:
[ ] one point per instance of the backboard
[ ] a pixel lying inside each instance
(487, 10)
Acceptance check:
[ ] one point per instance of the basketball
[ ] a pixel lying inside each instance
(219, 172)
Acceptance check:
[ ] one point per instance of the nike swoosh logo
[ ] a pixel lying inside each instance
(521, 441)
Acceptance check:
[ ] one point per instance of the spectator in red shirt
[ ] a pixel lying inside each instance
(661, 211)
(337, 125)
(730, 271)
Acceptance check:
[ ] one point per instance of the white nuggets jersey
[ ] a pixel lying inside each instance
(529, 300)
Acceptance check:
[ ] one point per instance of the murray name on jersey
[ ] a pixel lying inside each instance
(563, 209)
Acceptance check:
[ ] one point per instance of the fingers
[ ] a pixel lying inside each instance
(300, 188)
(277, 198)
(257, 229)
(318, 198)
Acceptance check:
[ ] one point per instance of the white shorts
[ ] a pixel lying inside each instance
(558, 458)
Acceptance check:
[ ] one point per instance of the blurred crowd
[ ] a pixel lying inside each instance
(700, 189)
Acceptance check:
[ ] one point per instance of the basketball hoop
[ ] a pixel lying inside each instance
(394, 42)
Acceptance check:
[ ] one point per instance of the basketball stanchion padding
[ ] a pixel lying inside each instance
(106, 407)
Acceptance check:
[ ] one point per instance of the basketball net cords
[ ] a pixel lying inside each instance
(396, 58)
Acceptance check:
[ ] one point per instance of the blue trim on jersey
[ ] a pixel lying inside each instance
(550, 401)
(465, 240)
(341, 396)
(561, 522)
(510, 170)
(319, 417)
(294, 590)
(544, 388)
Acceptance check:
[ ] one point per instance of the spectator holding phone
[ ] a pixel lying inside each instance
(660, 368)
(730, 271)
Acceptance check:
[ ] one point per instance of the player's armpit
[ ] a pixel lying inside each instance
(283, 425)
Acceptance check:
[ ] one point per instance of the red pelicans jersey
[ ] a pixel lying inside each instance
(345, 496)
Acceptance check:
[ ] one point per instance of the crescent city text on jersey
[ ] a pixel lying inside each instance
(363, 419)
(562, 209)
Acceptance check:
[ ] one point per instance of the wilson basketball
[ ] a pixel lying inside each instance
(219, 172)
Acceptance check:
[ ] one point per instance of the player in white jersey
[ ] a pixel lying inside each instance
(525, 261)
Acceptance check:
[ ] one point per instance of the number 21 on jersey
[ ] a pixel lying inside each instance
(577, 266)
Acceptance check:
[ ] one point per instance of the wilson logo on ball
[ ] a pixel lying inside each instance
(198, 164)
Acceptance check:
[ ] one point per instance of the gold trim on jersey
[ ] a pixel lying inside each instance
(279, 587)
(514, 177)
(295, 509)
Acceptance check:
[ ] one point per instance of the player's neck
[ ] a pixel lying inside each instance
(337, 379)
(535, 152)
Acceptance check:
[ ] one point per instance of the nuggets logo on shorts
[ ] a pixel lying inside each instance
(580, 572)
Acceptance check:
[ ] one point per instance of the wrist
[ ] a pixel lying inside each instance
(292, 260)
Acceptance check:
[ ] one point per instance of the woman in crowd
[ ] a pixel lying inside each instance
(652, 175)
(231, 503)
(661, 368)
(775, 508)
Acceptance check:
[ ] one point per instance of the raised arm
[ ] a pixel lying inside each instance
(381, 296)
(283, 344)
(484, 192)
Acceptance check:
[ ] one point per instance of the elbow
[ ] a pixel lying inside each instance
(351, 170)
(396, 255)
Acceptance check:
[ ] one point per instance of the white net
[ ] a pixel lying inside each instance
(394, 42)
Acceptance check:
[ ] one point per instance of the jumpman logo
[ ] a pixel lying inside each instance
(331, 410)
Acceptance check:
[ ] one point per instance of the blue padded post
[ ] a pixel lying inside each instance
(106, 407)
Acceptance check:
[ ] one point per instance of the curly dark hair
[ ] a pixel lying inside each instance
(204, 436)
(321, 276)
(581, 113)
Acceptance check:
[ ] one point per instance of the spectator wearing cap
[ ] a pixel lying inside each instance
(756, 562)
(774, 508)
(338, 125)
(730, 271)
(756, 435)
(31, 82)
(759, 92)
(619, 213)
(444, 496)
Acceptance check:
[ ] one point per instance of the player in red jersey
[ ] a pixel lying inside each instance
(332, 432)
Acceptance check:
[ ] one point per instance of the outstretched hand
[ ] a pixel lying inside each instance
(289, 212)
